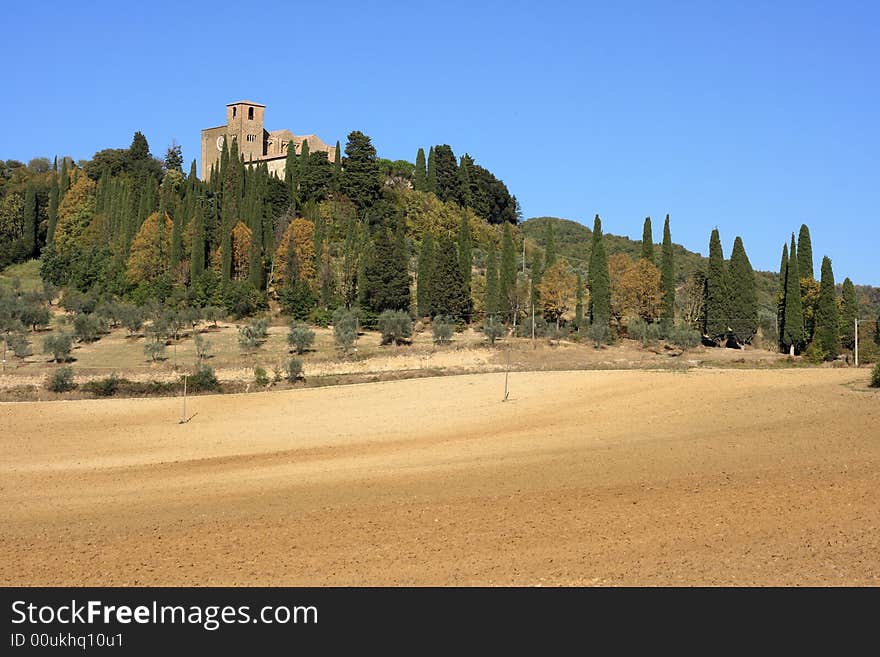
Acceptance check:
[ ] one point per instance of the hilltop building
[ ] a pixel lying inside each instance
(244, 123)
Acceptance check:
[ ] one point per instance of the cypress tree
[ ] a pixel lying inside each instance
(53, 208)
(599, 279)
(64, 185)
(549, 246)
(464, 251)
(290, 173)
(420, 181)
(29, 225)
(197, 254)
(827, 318)
(579, 302)
(492, 282)
(805, 253)
(446, 174)
(849, 311)
(431, 175)
(386, 273)
(230, 210)
(176, 239)
(716, 321)
(537, 273)
(793, 331)
(648, 241)
(743, 304)
(464, 182)
(337, 159)
(302, 171)
(424, 276)
(448, 294)
(507, 275)
(780, 296)
(667, 279)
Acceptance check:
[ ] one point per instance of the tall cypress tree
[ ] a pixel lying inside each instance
(780, 296)
(230, 209)
(53, 208)
(827, 318)
(64, 184)
(492, 282)
(291, 178)
(579, 302)
(793, 335)
(448, 294)
(599, 279)
(648, 241)
(386, 273)
(197, 253)
(464, 182)
(424, 276)
(743, 297)
(431, 175)
(805, 253)
(716, 321)
(849, 311)
(337, 160)
(465, 255)
(420, 179)
(667, 279)
(507, 276)
(29, 225)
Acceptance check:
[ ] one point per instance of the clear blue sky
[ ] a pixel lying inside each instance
(752, 117)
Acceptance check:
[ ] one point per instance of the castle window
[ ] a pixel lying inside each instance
(234, 112)
(250, 113)
(251, 137)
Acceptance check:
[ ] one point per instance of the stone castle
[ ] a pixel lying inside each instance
(244, 124)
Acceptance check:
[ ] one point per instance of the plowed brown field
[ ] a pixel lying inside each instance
(603, 477)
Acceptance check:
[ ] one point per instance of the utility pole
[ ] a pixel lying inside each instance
(533, 326)
(857, 342)
(507, 373)
(183, 417)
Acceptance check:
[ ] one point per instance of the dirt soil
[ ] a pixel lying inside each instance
(715, 477)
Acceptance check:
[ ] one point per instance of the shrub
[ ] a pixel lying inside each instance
(321, 317)
(34, 315)
(599, 334)
(131, 317)
(203, 347)
(345, 328)
(492, 329)
(203, 380)
(685, 337)
(105, 387)
(875, 376)
(87, 328)
(815, 354)
(260, 377)
(442, 328)
(61, 380)
(154, 349)
(58, 345)
(645, 332)
(260, 328)
(19, 344)
(524, 330)
(300, 337)
(214, 314)
(395, 326)
(248, 339)
(294, 370)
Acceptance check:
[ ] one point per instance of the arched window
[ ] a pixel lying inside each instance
(234, 112)
(250, 113)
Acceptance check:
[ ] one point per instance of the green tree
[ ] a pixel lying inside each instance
(793, 335)
(464, 182)
(492, 293)
(420, 180)
(849, 311)
(173, 158)
(579, 302)
(29, 223)
(743, 298)
(291, 173)
(53, 209)
(431, 175)
(386, 273)
(424, 276)
(465, 254)
(827, 318)
(449, 295)
(780, 296)
(599, 281)
(648, 241)
(667, 279)
(198, 247)
(361, 180)
(717, 319)
(805, 253)
(446, 174)
(507, 275)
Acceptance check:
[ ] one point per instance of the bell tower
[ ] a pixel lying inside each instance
(244, 123)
